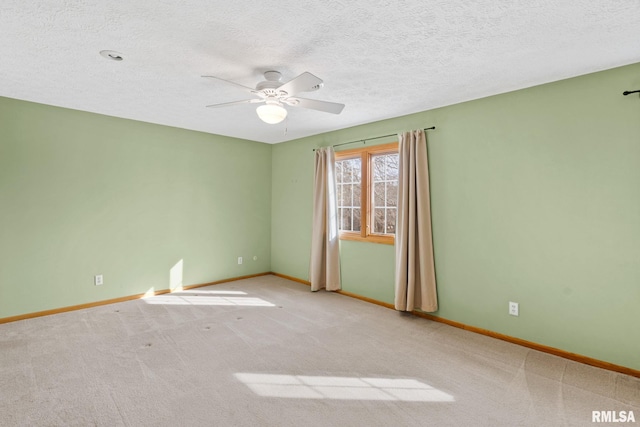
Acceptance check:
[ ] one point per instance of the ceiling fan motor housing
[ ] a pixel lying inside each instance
(272, 82)
(273, 76)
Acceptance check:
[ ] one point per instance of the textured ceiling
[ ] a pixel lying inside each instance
(382, 59)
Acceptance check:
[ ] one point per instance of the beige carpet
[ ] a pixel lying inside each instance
(267, 352)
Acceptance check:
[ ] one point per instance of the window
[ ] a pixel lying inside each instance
(367, 186)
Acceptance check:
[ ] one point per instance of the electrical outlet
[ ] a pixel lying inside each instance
(98, 280)
(255, 257)
(239, 260)
(513, 308)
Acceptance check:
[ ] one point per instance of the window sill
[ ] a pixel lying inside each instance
(373, 238)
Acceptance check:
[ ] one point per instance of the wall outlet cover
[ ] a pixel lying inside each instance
(514, 308)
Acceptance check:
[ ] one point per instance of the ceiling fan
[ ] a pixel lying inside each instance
(275, 94)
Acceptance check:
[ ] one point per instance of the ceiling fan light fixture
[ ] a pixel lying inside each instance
(271, 113)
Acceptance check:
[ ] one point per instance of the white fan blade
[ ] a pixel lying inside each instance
(246, 101)
(248, 89)
(303, 83)
(314, 104)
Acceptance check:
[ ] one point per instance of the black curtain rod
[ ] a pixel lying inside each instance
(369, 139)
(629, 92)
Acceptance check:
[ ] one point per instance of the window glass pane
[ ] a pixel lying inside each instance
(356, 168)
(346, 194)
(356, 194)
(356, 220)
(378, 168)
(347, 171)
(378, 220)
(391, 221)
(392, 193)
(346, 219)
(378, 194)
(348, 186)
(391, 171)
(384, 193)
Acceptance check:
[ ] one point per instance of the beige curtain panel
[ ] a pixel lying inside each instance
(324, 268)
(415, 281)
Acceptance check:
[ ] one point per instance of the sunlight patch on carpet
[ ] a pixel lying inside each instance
(211, 292)
(175, 299)
(342, 388)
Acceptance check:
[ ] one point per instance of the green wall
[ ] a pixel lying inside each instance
(83, 194)
(535, 199)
